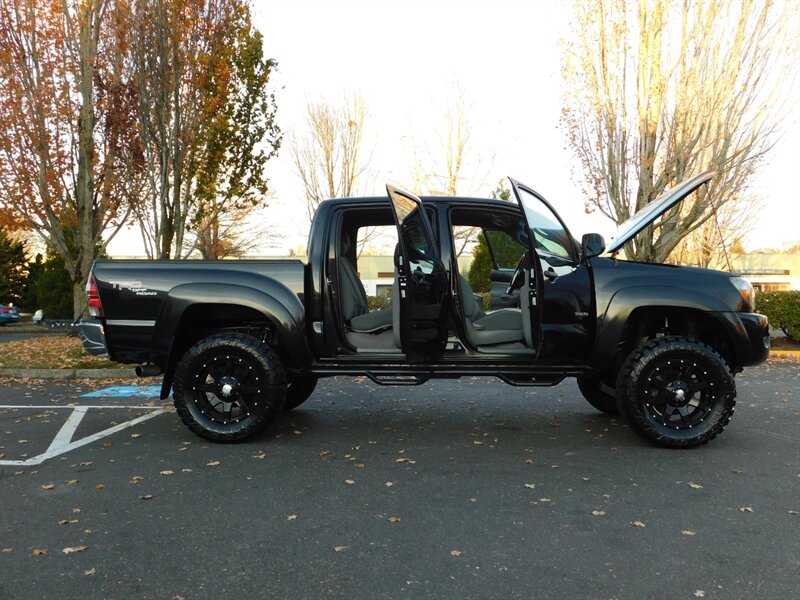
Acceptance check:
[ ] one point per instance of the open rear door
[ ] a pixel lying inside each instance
(537, 212)
(422, 282)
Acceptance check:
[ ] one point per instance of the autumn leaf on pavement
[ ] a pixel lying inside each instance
(213, 463)
(455, 552)
(393, 519)
(291, 518)
(639, 524)
(349, 481)
(146, 497)
(73, 549)
(695, 486)
(530, 486)
(48, 486)
(91, 571)
(38, 552)
(135, 479)
(167, 472)
(100, 486)
(747, 509)
(598, 513)
(340, 548)
(688, 532)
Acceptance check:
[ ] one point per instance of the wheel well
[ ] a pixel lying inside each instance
(201, 320)
(646, 323)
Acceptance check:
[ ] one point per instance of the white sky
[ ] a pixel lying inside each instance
(404, 59)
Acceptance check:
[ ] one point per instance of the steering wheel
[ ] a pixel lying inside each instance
(518, 278)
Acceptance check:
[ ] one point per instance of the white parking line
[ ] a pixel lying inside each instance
(62, 442)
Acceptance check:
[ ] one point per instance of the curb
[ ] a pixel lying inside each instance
(68, 373)
(784, 353)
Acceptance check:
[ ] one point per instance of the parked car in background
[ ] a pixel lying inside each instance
(8, 314)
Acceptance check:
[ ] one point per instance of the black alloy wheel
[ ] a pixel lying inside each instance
(228, 387)
(676, 392)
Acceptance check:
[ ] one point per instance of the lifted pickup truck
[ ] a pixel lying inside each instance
(240, 341)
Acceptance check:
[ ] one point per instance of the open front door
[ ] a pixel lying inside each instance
(421, 290)
(546, 234)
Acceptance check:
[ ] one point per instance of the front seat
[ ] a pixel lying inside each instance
(355, 308)
(484, 329)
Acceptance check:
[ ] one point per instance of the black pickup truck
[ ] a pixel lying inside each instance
(240, 341)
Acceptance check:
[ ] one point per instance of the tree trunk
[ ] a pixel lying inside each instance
(79, 301)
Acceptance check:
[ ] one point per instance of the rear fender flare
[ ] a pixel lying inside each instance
(281, 307)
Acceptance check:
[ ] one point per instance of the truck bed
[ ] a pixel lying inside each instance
(141, 297)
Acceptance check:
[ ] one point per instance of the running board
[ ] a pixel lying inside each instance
(398, 379)
(532, 380)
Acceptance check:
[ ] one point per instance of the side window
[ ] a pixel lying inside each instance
(375, 263)
(505, 249)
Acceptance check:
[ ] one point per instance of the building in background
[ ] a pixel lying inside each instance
(769, 272)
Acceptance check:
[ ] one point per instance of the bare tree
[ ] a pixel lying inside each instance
(328, 157)
(441, 164)
(664, 89)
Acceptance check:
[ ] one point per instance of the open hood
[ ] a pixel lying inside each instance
(644, 217)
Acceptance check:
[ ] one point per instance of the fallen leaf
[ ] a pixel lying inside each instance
(406, 461)
(213, 463)
(136, 435)
(91, 571)
(7, 550)
(107, 444)
(528, 461)
(186, 470)
(325, 453)
(688, 532)
(340, 548)
(76, 510)
(695, 486)
(639, 524)
(545, 500)
(291, 518)
(598, 513)
(67, 521)
(700, 594)
(48, 486)
(393, 519)
(360, 465)
(73, 549)
(86, 463)
(455, 552)
(794, 512)
(167, 472)
(135, 479)
(349, 481)
(745, 509)
(388, 484)
(72, 482)
(146, 497)
(260, 456)
(100, 486)
(530, 486)
(38, 552)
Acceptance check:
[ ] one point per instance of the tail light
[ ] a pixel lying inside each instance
(4, 310)
(95, 306)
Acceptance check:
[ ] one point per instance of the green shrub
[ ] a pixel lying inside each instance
(378, 302)
(783, 311)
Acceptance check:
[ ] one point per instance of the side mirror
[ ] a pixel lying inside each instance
(592, 244)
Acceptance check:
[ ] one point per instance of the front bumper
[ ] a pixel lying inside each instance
(757, 328)
(93, 337)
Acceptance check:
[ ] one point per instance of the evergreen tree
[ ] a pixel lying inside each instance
(13, 272)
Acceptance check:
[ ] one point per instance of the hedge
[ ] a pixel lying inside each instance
(783, 311)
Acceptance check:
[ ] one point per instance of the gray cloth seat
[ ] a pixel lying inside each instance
(484, 329)
(355, 308)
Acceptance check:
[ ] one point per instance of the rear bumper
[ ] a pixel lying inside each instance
(93, 337)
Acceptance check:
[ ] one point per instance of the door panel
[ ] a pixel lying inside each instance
(422, 282)
(498, 290)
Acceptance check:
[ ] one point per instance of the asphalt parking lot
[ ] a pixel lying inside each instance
(455, 489)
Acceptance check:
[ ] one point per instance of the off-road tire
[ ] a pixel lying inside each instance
(257, 383)
(593, 392)
(298, 391)
(676, 392)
